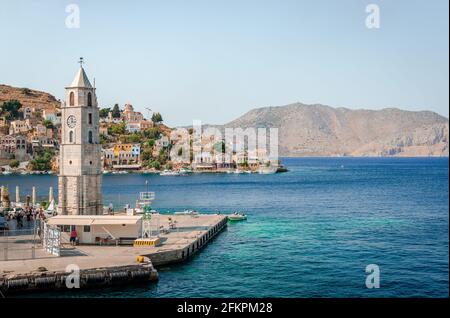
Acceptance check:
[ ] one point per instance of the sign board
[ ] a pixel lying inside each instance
(52, 240)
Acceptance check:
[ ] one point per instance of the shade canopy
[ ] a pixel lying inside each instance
(93, 220)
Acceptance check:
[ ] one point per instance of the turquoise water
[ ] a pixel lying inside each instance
(310, 232)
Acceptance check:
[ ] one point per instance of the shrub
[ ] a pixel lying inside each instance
(14, 163)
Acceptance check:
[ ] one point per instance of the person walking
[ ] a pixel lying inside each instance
(73, 236)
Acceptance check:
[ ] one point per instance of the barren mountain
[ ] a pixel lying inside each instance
(318, 130)
(28, 97)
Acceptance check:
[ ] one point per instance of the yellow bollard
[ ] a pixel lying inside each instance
(140, 259)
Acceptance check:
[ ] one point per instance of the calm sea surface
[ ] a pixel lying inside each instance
(311, 231)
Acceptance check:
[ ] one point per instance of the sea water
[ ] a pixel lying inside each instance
(310, 232)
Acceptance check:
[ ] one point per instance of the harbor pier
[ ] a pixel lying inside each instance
(180, 237)
(190, 235)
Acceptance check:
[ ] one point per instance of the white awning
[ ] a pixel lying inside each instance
(69, 221)
(93, 220)
(114, 222)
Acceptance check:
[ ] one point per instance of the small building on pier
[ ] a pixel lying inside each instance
(99, 229)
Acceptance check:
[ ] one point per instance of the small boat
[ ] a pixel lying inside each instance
(120, 172)
(169, 173)
(282, 168)
(50, 211)
(185, 171)
(237, 217)
(7, 173)
(187, 212)
(267, 170)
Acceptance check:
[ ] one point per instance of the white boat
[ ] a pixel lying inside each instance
(7, 173)
(237, 217)
(185, 171)
(50, 211)
(169, 173)
(267, 170)
(119, 172)
(187, 212)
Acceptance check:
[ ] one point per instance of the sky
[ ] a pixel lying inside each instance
(214, 60)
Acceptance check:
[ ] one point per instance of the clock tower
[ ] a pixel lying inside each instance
(80, 169)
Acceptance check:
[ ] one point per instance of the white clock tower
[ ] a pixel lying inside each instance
(80, 169)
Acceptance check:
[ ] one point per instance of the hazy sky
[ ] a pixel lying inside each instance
(214, 60)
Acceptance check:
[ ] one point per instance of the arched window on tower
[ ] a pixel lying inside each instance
(90, 137)
(89, 99)
(71, 99)
(71, 136)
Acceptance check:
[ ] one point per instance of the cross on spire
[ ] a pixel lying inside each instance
(81, 61)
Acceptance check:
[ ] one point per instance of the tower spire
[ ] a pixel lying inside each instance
(81, 79)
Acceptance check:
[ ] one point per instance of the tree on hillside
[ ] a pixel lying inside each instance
(14, 163)
(104, 112)
(116, 111)
(157, 118)
(117, 129)
(26, 91)
(48, 124)
(10, 109)
(42, 160)
(151, 133)
(133, 138)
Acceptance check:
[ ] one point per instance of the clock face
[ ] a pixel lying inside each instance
(71, 121)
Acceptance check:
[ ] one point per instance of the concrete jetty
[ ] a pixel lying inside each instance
(185, 235)
(190, 235)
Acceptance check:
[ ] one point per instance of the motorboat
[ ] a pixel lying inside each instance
(267, 170)
(236, 216)
(185, 171)
(187, 212)
(169, 173)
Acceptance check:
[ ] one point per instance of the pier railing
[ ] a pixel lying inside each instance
(20, 244)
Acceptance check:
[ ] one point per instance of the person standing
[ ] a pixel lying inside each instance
(73, 236)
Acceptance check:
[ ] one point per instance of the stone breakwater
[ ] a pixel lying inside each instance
(180, 246)
(89, 278)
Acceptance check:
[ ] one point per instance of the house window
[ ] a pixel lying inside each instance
(71, 136)
(86, 228)
(90, 119)
(71, 99)
(89, 99)
(90, 137)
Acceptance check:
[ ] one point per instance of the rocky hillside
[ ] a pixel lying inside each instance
(318, 130)
(28, 97)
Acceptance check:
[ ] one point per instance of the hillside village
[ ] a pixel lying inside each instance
(30, 130)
